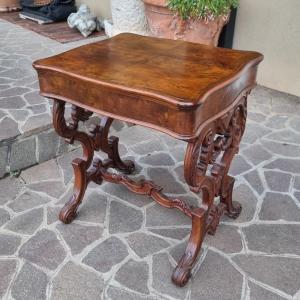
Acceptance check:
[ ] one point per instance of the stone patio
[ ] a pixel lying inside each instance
(25, 118)
(124, 246)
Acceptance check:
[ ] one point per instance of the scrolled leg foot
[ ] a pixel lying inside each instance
(233, 208)
(68, 212)
(180, 277)
(182, 272)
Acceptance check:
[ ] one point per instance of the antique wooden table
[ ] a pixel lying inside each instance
(192, 92)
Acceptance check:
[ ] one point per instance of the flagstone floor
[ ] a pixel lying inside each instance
(25, 117)
(124, 246)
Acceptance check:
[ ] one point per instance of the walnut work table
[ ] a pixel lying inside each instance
(192, 92)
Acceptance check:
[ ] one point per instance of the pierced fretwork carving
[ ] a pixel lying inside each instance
(206, 166)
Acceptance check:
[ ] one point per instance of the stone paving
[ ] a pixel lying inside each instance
(124, 246)
(26, 135)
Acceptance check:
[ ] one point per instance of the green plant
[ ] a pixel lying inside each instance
(202, 9)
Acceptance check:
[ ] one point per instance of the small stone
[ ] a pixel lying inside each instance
(171, 142)
(47, 145)
(78, 237)
(295, 124)
(256, 117)
(27, 200)
(254, 132)
(3, 161)
(160, 216)
(297, 183)
(65, 163)
(34, 98)
(259, 293)
(37, 124)
(38, 108)
(23, 154)
(124, 218)
(179, 171)
(15, 73)
(284, 104)
(278, 181)
(279, 207)
(121, 294)
(244, 195)
(9, 129)
(166, 180)
(76, 283)
(52, 214)
(9, 244)
(178, 250)
(148, 147)
(15, 102)
(31, 283)
(15, 91)
(145, 244)
(45, 171)
(285, 136)
(19, 115)
(277, 121)
(227, 239)
(254, 180)
(52, 188)
(4, 216)
(283, 149)
(106, 255)
(174, 233)
(256, 154)
(7, 270)
(134, 275)
(178, 153)
(26, 223)
(136, 134)
(10, 187)
(161, 273)
(297, 195)
(239, 165)
(122, 192)
(44, 250)
(284, 164)
(278, 272)
(275, 238)
(227, 282)
(158, 159)
(93, 208)
(2, 114)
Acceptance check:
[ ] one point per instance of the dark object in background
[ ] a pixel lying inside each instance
(56, 10)
(226, 37)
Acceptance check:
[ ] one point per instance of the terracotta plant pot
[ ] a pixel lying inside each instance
(9, 5)
(165, 24)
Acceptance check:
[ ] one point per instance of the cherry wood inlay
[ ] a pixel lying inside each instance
(192, 92)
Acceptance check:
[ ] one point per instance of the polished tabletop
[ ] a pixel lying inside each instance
(176, 71)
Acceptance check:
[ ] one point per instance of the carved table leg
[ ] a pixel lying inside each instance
(96, 140)
(206, 166)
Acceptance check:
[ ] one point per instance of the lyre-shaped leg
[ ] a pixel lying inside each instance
(110, 145)
(219, 138)
(96, 140)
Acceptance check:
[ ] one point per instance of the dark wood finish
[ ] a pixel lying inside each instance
(193, 92)
(59, 31)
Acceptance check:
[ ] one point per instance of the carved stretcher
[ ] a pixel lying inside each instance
(192, 92)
